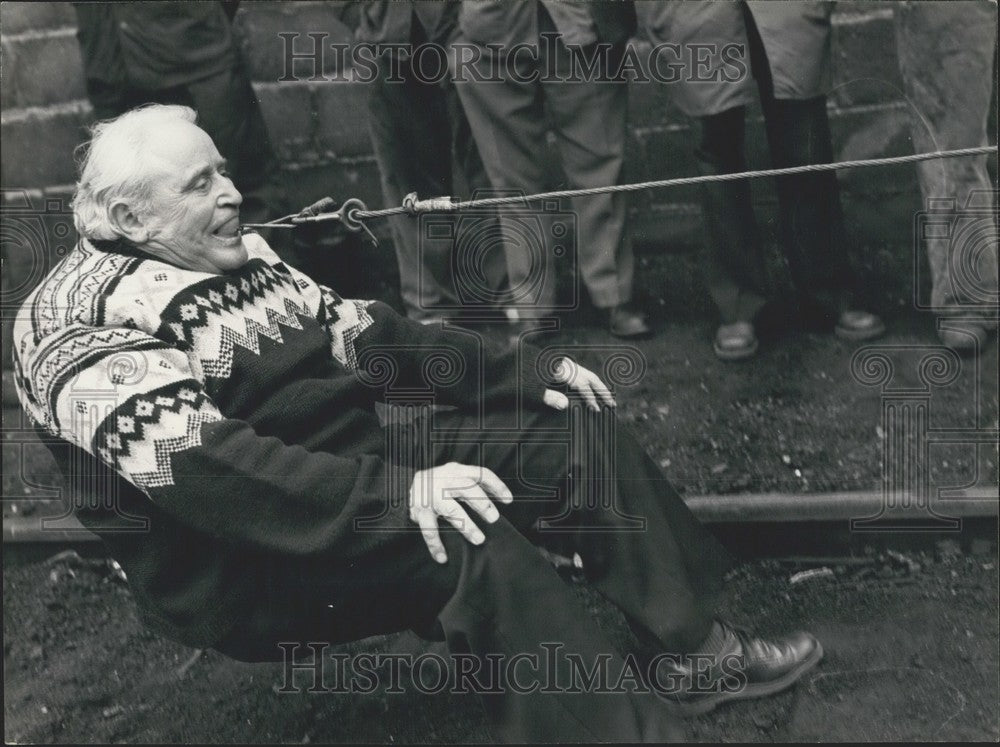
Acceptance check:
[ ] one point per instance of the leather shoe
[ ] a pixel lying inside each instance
(736, 341)
(746, 666)
(626, 322)
(858, 325)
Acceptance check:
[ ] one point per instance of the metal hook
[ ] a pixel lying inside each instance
(347, 214)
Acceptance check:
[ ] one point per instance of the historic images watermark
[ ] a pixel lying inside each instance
(311, 667)
(306, 56)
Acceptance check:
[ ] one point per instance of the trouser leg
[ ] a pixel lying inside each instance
(586, 485)
(479, 265)
(812, 230)
(502, 598)
(589, 122)
(411, 136)
(508, 121)
(733, 262)
(946, 54)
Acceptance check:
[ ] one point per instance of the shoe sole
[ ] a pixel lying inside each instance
(711, 702)
(859, 335)
(727, 354)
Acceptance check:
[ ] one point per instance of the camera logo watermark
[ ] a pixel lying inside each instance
(537, 241)
(961, 244)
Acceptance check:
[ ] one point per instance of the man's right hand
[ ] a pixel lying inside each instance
(436, 492)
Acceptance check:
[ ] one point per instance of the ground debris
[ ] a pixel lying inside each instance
(69, 557)
(904, 561)
(183, 668)
(810, 574)
(112, 711)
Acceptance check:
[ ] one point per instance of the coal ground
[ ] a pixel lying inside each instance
(911, 635)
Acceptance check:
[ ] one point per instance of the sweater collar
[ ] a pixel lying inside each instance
(121, 246)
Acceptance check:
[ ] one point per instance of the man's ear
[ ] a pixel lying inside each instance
(128, 223)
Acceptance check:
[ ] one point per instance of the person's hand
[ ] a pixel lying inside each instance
(584, 381)
(436, 492)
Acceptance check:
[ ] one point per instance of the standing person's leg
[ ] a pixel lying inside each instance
(481, 265)
(508, 122)
(410, 132)
(812, 223)
(715, 92)
(733, 264)
(946, 57)
(589, 122)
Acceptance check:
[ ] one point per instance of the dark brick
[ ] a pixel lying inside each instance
(43, 69)
(337, 180)
(8, 91)
(666, 227)
(661, 153)
(291, 121)
(342, 111)
(18, 17)
(38, 146)
(258, 25)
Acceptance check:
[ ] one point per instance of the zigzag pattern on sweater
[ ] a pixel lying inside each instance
(351, 319)
(213, 319)
(143, 434)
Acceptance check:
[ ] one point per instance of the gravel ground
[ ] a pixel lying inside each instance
(911, 655)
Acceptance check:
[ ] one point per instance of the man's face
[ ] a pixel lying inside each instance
(195, 209)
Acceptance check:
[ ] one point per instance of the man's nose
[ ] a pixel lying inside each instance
(230, 195)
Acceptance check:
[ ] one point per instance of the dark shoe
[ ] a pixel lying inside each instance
(858, 326)
(626, 322)
(745, 667)
(736, 341)
(967, 339)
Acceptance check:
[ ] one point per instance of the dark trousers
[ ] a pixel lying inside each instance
(812, 231)
(421, 137)
(228, 111)
(596, 493)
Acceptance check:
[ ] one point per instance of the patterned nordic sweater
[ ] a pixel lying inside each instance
(232, 411)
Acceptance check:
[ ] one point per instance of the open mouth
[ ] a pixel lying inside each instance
(228, 230)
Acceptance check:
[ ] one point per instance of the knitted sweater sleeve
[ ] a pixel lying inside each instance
(135, 402)
(463, 367)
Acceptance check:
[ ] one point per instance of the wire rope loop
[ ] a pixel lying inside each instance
(349, 214)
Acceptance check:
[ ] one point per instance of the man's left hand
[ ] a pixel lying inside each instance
(585, 382)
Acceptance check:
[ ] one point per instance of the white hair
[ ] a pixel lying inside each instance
(112, 166)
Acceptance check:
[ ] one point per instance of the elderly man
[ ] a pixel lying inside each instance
(233, 400)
